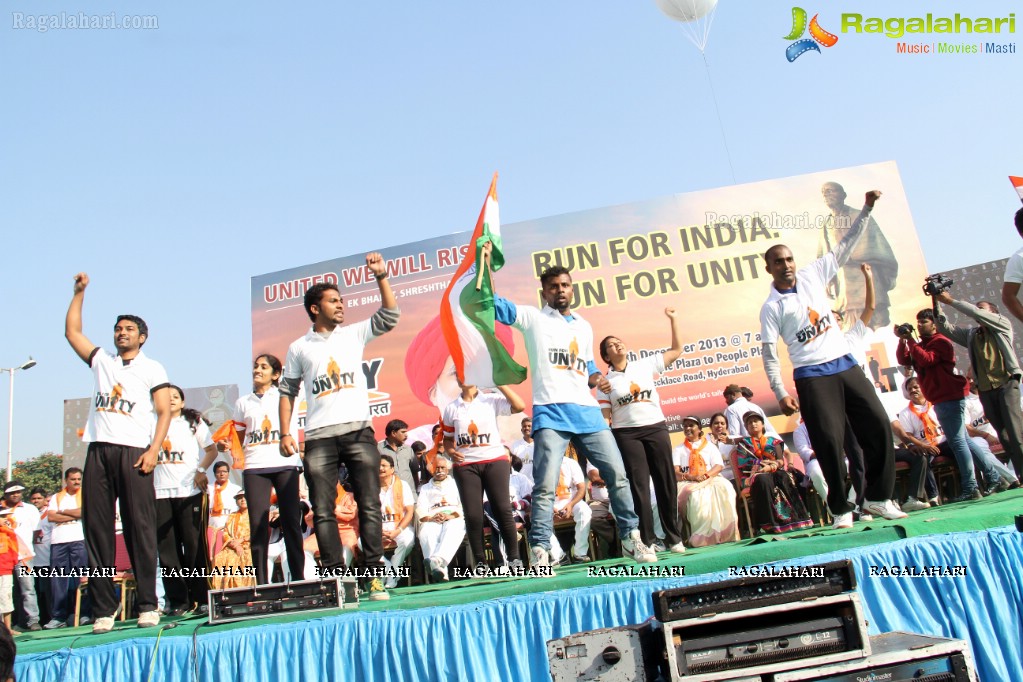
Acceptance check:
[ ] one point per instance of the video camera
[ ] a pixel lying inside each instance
(905, 328)
(934, 285)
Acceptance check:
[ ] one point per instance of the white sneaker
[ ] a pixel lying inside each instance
(884, 508)
(843, 521)
(105, 624)
(913, 504)
(677, 548)
(541, 557)
(632, 546)
(149, 619)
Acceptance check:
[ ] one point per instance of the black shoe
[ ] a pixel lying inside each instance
(968, 496)
(582, 559)
(1000, 487)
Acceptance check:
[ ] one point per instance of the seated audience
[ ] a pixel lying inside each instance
(221, 494)
(705, 499)
(397, 506)
(236, 553)
(761, 467)
(441, 523)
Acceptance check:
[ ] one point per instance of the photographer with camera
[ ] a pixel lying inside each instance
(933, 358)
(995, 368)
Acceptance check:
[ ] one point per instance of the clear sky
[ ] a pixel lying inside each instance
(173, 164)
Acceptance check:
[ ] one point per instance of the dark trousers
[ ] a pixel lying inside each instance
(1002, 409)
(919, 469)
(110, 475)
(854, 454)
(828, 403)
(646, 454)
(472, 480)
(44, 596)
(181, 542)
(67, 555)
(289, 505)
(358, 452)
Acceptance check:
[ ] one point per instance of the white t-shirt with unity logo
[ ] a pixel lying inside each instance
(259, 417)
(473, 426)
(560, 350)
(121, 411)
(633, 400)
(331, 370)
(803, 319)
(179, 458)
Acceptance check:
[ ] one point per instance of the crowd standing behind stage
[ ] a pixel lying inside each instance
(148, 453)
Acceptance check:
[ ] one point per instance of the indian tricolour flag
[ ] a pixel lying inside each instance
(1018, 184)
(467, 308)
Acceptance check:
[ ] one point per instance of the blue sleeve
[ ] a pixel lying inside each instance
(505, 311)
(591, 368)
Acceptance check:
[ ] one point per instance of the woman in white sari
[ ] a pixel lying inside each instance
(705, 499)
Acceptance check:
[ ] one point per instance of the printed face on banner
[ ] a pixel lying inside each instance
(701, 252)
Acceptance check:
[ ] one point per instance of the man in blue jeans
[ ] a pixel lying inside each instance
(933, 358)
(560, 348)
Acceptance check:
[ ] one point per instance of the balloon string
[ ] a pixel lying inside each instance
(721, 125)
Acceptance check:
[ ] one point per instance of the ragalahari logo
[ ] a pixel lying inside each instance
(803, 45)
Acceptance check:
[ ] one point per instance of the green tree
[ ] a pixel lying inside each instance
(45, 471)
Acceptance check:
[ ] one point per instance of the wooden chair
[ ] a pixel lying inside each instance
(124, 579)
(742, 496)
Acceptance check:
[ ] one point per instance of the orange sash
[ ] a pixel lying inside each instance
(227, 430)
(218, 500)
(63, 493)
(697, 465)
(760, 449)
(930, 428)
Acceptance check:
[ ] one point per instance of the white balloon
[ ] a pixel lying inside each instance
(686, 10)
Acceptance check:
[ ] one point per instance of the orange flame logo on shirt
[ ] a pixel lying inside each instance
(634, 390)
(116, 394)
(474, 432)
(266, 426)
(334, 372)
(815, 317)
(166, 445)
(573, 350)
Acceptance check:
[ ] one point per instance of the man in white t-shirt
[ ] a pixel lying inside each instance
(738, 406)
(831, 387)
(221, 494)
(129, 415)
(1014, 277)
(523, 448)
(397, 505)
(441, 522)
(338, 426)
(559, 343)
(67, 546)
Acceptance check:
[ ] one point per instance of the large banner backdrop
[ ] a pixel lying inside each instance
(701, 252)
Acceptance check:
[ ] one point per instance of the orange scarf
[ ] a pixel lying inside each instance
(397, 497)
(218, 501)
(227, 430)
(63, 493)
(930, 428)
(760, 449)
(697, 465)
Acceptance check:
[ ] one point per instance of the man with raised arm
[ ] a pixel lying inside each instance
(338, 426)
(131, 395)
(829, 383)
(560, 347)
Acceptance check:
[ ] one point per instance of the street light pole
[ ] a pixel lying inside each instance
(10, 412)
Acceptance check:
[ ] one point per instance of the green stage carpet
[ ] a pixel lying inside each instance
(992, 512)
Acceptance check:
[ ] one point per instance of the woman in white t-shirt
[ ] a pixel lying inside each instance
(705, 499)
(257, 421)
(481, 465)
(628, 398)
(180, 482)
(719, 435)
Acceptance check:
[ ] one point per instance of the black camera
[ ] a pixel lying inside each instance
(906, 328)
(935, 284)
